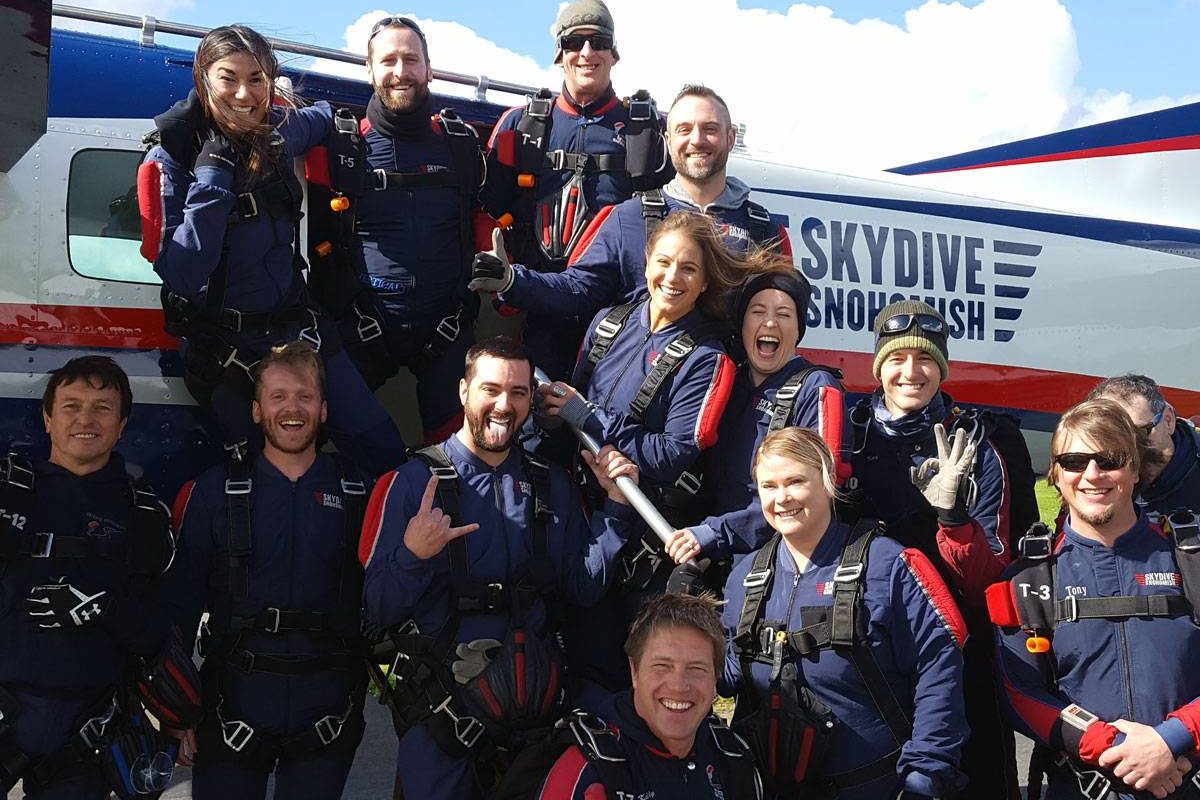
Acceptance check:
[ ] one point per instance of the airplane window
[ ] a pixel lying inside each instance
(104, 231)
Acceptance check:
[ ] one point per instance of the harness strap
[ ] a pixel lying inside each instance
(284, 664)
(669, 360)
(584, 162)
(383, 180)
(654, 210)
(1072, 608)
(785, 397)
(605, 334)
(281, 620)
(761, 229)
(238, 488)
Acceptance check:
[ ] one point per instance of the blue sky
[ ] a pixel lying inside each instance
(854, 85)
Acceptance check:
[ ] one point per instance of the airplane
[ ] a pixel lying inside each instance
(1042, 301)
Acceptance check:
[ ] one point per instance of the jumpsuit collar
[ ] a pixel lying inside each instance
(406, 126)
(599, 106)
(1141, 527)
(915, 425)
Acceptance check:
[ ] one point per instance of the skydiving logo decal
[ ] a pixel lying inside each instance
(1158, 579)
(979, 285)
(328, 500)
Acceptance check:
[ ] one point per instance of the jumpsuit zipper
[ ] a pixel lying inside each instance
(625, 368)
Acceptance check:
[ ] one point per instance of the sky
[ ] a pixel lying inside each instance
(851, 86)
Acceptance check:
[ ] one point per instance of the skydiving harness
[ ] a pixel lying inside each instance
(1028, 600)
(639, 568)
(214, 331)
(224, 645)
(337, 260)
(841, 627)
(147, 550)
(785, 397)
(425, 690)
(559, 222)
(761, 229)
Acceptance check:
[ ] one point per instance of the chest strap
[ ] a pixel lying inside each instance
(785, 398)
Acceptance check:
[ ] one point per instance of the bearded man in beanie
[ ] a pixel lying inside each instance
(934, 474)
(555, 162)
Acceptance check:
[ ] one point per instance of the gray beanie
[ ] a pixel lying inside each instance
(915, 337)
(583, 15)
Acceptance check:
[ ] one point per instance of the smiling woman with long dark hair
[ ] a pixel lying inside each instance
(221, 208)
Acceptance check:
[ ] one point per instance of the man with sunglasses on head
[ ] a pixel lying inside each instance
(396, 276)
(555, 162)
(936, 476)
(1175, 483)
(1099, 653)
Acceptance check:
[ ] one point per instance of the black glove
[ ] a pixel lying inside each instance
(61, 605)
(217, 152)
(490, 271)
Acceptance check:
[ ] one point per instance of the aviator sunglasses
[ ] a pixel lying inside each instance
(1149, 427)
(575, 41)
(902, 322)
(1078, 462)
(391, 22)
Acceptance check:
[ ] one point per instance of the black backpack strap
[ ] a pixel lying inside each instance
(153, 535)
(449, 495)
(602, 340)
(646, 160)
(757, 585)
(347, 154)
(848, 627)
(654, 210)
(238, 488)
(762, 230)
(17, 480)
(1183, 527)
(463, 142)
(534, 128)
(1037, 568)
(785, 398)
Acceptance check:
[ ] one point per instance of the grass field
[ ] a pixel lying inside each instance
(1048, 501)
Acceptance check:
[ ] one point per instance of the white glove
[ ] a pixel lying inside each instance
(942, 480)
(472, 658)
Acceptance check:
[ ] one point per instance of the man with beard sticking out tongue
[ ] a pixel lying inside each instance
(411, 242)
(466, 568)
(267, 548)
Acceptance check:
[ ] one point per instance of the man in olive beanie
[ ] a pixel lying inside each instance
(935, 475)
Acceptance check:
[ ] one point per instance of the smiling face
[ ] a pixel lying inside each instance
(496, 397)
(238, 86)
(910, 378)
(770, 332)
(674, 683)
(699, 138)
(675, 278)
(1100, 501)
(397, 69)
(84, 425)
(587, 72)
(794, 499)
(290, 409)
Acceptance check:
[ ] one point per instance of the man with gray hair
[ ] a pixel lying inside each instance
(1175, 483)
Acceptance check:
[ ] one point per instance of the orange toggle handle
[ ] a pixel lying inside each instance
(339, 203)
(526, 180)
(1037, 644)
(504, 221)
(324, 249)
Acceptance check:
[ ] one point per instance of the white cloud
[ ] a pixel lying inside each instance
(817, 90)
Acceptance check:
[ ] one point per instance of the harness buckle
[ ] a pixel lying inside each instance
(607, 329)
(353, 487)
(368, 328)
(448, 473)
(233, 486)
(640, 110)
(236, 734)
(756, 578)
(18, 475)
(539, 106)
(655, 201)
(381, 179)
(92, 731)
(556, 159)
(232, 358)
(676, 349)
(766, 640)
(848, 573)
(448, 328)
(1092, 784)
(329, 728)
(43, 545)
(1036, 547)
(786, 393)
(231, 318)
(757, 214)
(311, 334)
(1183, 525)
(466, 729)
(274, 616)
(688, 482)
(246, 197)
(1071, 607)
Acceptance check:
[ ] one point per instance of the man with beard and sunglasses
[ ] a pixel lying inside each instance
(396, 272)
(268, 548)
(466, 570)
(953, 482)
(555, 162)
(608, 266)
(1099, 653)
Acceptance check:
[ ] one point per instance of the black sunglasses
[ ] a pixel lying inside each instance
(902, 322)
(1149, 427)
(1078, 462)
(575, 41)
(391, 22)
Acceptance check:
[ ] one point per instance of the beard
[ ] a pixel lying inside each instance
(403, 104)
(1100, 518)
(701, 172)
(477, 424)
(286, 443)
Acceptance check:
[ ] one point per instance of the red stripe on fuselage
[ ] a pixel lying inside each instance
(1132, 148)
(995, 384)
(84, 326)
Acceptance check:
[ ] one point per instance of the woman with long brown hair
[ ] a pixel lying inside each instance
(221, 209)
